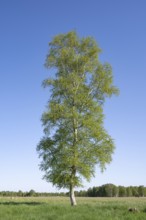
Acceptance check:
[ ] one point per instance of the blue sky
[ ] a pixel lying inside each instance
(26, 28)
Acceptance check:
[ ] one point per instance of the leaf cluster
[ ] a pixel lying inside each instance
(75, 139)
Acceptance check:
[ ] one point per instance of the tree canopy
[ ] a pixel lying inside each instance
(75, 139)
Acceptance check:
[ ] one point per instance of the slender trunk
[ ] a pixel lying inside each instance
(73, 172)
(72, 196)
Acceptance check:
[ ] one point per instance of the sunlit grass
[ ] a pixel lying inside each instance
(54, 208)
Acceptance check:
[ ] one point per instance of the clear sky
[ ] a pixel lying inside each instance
(26, 28)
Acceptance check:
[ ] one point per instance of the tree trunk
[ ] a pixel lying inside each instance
(72, 196)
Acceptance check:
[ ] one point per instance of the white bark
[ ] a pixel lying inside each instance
(72, 196)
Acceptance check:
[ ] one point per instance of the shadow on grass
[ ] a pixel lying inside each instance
(21, 203)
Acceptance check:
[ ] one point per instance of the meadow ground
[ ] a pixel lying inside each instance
(58, 208)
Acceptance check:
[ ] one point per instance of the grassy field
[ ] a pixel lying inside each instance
(58, 208)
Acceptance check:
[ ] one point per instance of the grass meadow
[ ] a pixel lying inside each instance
(58, 208)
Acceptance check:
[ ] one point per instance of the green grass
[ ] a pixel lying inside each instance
(58, 208)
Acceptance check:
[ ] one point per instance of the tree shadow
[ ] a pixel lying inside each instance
(21, 203)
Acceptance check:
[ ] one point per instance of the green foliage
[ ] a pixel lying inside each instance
(75, 139)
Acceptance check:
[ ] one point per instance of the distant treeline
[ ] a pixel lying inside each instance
(31, 193)
(111, 190)
(107, 190)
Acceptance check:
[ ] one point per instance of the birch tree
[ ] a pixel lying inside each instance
(75, 140)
